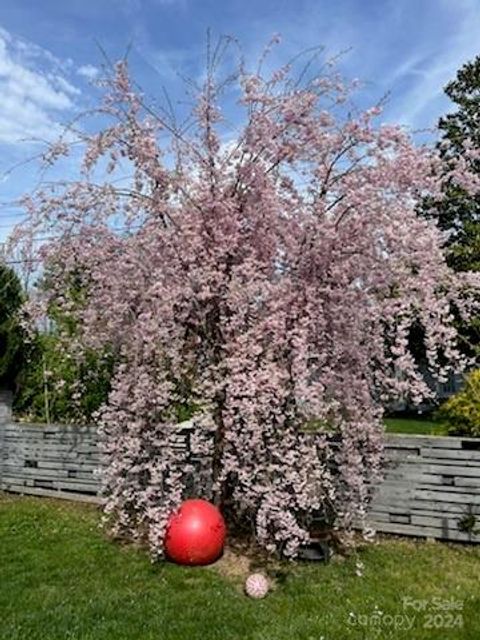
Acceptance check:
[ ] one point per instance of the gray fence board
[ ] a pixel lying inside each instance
(443, 533)
(47, 493)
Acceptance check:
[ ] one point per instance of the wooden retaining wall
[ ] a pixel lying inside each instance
(430, 485)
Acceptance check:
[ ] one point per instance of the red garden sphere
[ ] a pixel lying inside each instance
(195, 533)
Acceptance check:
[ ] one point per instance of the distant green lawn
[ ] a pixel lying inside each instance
(62, 579)
(415, 426)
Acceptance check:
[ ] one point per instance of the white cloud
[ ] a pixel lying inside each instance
(64, 85)
(88, 71)
(34, 92)
(425, 101)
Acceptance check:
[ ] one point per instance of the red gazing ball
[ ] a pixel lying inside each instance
(195, 533)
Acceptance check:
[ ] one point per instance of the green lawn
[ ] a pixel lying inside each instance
(62, 579)
(415, 426)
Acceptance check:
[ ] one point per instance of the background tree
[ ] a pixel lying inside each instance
(270, 281)
(458, 212)
(12, 347)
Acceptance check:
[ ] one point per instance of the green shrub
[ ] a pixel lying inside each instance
(73, 390)
(462, 411)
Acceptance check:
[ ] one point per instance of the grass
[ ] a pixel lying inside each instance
(408, 425)
(62, 579)
(423, 426)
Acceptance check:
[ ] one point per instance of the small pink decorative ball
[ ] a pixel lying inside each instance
(256, 585)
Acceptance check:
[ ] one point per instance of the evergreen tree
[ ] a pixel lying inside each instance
(459, 212)
(12, 349)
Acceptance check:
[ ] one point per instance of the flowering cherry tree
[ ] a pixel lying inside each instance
(270, 280)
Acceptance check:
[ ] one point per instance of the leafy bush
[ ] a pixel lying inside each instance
(462, 411)
(55, 387)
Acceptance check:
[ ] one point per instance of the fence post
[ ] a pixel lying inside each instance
(5, 417)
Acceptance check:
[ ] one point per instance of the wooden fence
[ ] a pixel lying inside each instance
(431, 485)
(50, 461)
(431, 488)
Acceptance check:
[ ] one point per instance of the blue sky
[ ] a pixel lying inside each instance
(48, 54)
